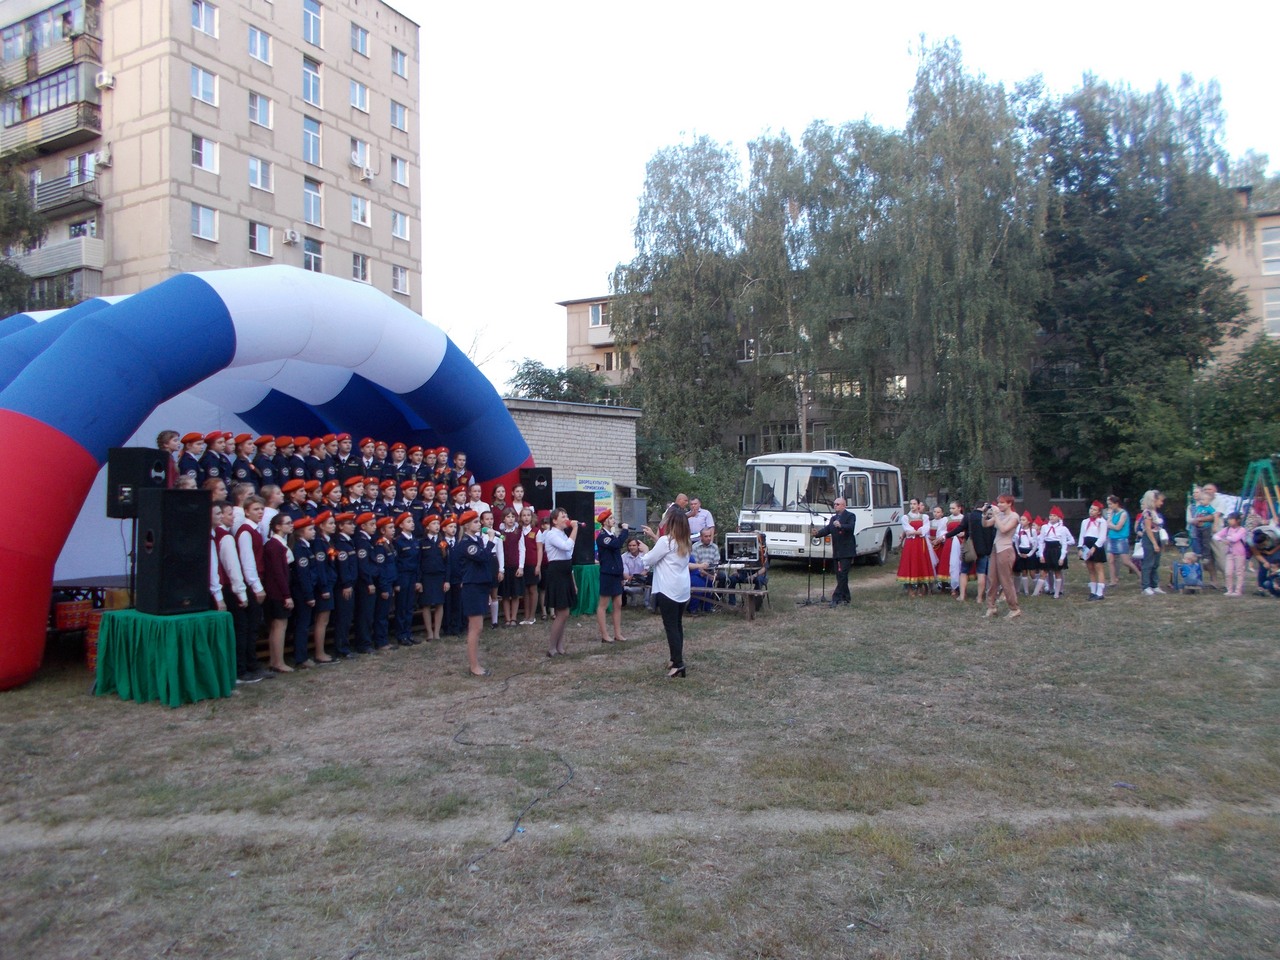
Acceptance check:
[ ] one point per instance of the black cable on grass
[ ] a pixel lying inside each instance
(457, 738)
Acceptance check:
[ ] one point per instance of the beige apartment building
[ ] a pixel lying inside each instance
(167, 136)
(590, 338)
(1254, 260)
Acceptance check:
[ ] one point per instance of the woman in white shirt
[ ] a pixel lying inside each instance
(557, 571)
(669, 561)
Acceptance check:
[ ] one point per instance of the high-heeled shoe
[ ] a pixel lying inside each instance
(675, 672)
(606, 640)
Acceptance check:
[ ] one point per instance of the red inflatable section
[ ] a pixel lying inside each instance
(510, 480)
(36, 533)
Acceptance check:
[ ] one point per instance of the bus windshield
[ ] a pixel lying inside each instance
(795, 487)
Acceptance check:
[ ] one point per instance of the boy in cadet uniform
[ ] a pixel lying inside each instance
(432, 574)
(242, 469)
(312, 503)
(366, 456)
(213, 463)
(429, 464)
(408, 578)
(380, 459)
(453, 578)
(441, 505)
(352, 492)
(326, 579)
(388, 504)
(298, 459)
(189, 462)
(458, 505)
(413, 506)
(265, 461)
(302, 587)
(443, 473)
(426, 497)
(366, 581)
(370, 498)
(461, 475)
(416, 465)
(295, 492)
(384, 559)
(347, 463)
(346, 568)
(397, 468)
(315, 461)
(284, 452)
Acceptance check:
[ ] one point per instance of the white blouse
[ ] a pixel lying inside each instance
(670, 570)
(557, 545)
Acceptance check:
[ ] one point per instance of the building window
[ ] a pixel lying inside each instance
(1271, 312)
(399, 279)
(204, 222)
(204, 85)
(360, 40)
(399, 116)
(747, 444)
(400, 171)
(359, 96)
(83, 228)
(599, 315)
(311, 141)
(260, 110)
(259, 45)
(746, 349)
(311, 201)
(359, 153)
(359, 210)
(260, 174)
(1271, 250)
(399, 63)
(780, 437)
(311, 81)
(1006, 486)
(204, 17)
(311, 22)
(204, 154)
(895, 388)
(81, 168)
(259, 239)
(49, 93)
(399, 225)
(360, 268)
(312, 255)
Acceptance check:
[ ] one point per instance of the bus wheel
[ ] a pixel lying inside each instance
(883, 556)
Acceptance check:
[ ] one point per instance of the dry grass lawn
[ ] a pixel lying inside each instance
(897, 779)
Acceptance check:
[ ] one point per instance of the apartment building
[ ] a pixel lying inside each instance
(590, 338)
(1254, 260)
(166, 136)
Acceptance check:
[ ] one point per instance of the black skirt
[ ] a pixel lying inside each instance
(562, 593)
(1053, 558)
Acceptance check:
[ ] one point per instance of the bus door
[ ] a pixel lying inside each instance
(856, 490)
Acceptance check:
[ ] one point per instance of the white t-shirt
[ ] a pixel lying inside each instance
(670, 570)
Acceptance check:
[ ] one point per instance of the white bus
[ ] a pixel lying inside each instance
(785, 493)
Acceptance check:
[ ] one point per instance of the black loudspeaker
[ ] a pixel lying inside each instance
(129, 470)
(580, 507)
(173, 551)
(537, 487)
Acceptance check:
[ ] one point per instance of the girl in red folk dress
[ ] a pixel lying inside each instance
(916, 565)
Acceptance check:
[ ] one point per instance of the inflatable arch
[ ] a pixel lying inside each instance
(272, 348)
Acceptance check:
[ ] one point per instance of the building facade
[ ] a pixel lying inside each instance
(1254, 260)
(165, 137)
(590, 338)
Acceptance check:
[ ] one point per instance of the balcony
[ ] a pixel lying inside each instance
(81, 49)
(54, 258)
(67, 195)
(65, 127)
(601, 336)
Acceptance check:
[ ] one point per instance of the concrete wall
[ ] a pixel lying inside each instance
(579, 438)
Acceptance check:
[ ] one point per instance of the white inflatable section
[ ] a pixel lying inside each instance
(330, 322)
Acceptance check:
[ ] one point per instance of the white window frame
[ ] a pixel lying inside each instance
(359, 152)
(200, 222)
(1271, 311)
(255, 117)
(260, 45)
(312, 202)
(1270, 250)
(312, 142)
(360, 40)
(399, 225)
(261, 174)
(359, 96)
(313, 23)
(399, 112)
(399, 170)
(399, 279)
(208, 153)
(204, 17)
(89, 225)
(598, 315)
(399, 62)
(311, 88)
(360, 267)
(361, 210)
(256, 232)
(198, 77)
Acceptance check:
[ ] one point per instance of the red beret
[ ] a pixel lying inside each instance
(370, 481)
(468, 516)
(365, 441)
(387, 483)
(604, 515)
(243, 438)
(302, 522)
(352, 481)
(292, 485)
(343, 436)
(312, 485)
(413, 450)
(397, 446)
(460, 488)
(284, 441)
(430, 517)
(409, 484)
(346, 517)
(216, 435)
(403, 517)
(323, 515)
(329, 438)
(384, 522)
(192, 437)
(364, 518)
(263, 440)
(329, 486)
(380, 443)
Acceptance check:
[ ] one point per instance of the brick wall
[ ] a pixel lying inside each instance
(579, 438)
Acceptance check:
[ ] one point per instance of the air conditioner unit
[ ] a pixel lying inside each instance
(366, 173)
(105, 80)
(102, 158)
(291, 236)
(356, 159)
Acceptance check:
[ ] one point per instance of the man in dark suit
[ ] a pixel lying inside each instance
(841, 529)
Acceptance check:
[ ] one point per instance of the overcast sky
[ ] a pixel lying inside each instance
(538, 119)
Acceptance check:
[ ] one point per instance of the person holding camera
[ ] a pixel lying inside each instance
(1004, 522)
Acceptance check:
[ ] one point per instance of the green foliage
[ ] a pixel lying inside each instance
(1241, 413)
(19, 224)
(534, 381)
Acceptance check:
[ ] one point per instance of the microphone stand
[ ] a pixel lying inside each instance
(808, 588)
